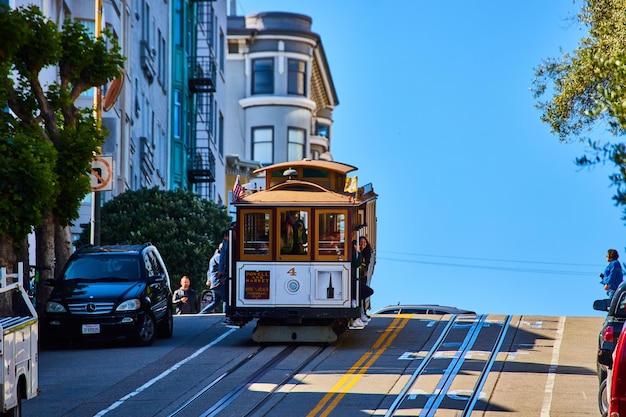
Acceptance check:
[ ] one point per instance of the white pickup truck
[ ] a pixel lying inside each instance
(18, 344)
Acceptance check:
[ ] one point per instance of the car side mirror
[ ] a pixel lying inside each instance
(602, 305)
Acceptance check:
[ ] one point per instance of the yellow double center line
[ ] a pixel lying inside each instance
(353, 376)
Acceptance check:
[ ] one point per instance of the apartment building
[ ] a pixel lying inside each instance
(280, 93)
(197, 97)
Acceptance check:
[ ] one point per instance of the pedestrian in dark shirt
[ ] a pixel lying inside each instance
(185, 299)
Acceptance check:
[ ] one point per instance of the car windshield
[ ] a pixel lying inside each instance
(103, 268)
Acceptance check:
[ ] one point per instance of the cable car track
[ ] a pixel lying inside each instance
(535, 367)
(449, 375)
(238, 389)
(286, 379)
(215, 381)
(450, 368)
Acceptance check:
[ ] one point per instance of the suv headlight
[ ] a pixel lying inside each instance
(54, 307)
(129, 305)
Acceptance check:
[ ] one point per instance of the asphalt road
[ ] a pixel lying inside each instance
(486, 365)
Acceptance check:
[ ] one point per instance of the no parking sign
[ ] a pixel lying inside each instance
(102, 173)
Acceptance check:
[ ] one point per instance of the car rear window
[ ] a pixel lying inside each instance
(103, 267)
(620, 310)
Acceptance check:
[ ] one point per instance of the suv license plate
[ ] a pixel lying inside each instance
(91, 328)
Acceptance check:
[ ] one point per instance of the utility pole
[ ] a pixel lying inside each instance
(97, 104)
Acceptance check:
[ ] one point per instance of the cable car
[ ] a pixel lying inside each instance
(291, 258)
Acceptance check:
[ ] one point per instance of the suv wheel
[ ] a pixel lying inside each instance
(167, 324)
(603, 401)
(147, 332)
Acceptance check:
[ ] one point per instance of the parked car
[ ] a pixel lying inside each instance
(615, 401)
(109, 292)
(607, 338)
(421, 309)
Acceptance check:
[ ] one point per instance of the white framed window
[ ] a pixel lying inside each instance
(263, 76)
(263, 144)
(322, 130)
(295, 143)
(296, 77)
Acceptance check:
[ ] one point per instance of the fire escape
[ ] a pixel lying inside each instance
(201, 83)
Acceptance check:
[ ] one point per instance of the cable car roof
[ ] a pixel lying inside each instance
(310, 163)
(298, 193)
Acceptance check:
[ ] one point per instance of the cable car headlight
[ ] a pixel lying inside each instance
(290, 173)
(293, 286)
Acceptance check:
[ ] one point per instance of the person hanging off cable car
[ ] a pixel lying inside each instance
(293, 237)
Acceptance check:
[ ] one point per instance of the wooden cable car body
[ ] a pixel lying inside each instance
(292, 252)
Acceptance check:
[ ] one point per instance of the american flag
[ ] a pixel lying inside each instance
(238, 190)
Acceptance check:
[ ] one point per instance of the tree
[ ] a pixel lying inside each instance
(185, 228)
(587, 89)
(27, 186)
(29, 44)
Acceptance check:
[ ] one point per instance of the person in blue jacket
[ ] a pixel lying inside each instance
(612, 275)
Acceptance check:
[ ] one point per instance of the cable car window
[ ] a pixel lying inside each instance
(256, 234)
(294, 232)
(332, 234)
(314, 173)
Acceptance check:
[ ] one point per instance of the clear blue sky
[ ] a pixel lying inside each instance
(480, 207)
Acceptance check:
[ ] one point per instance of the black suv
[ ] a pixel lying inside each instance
(607, 340)
(109, 292)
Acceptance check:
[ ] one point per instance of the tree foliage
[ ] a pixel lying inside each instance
(185, 228)
(27, 182)
(43, 71)
(81, 62)
(586, 89)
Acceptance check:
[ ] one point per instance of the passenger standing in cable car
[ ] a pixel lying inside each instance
(299, 235)
(286, 236)
(355, 265)
(293, 235)
(366, 254)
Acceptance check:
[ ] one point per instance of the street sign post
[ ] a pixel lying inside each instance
(102, 173)
(101, 180)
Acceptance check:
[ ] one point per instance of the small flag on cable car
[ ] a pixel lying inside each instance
(238, 190)
(351, 185)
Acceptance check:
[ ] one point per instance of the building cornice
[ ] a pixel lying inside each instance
(277, 101)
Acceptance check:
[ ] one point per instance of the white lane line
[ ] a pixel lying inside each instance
(547, 400)
(163, 374)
